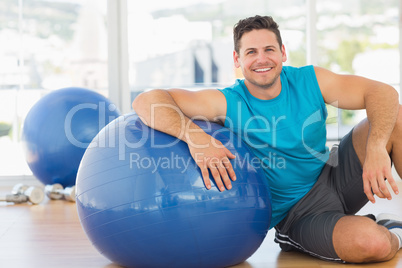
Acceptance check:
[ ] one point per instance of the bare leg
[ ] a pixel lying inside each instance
(359, 239)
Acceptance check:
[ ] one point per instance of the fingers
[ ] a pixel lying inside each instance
(375, 184)
(378, 185)
(219, 174)
(214, 161)
(392, 183)
(205, 174)
(229, 154)
(226, 170)
(229, 168)
(221, 170)
(383, 186)
(367, 190)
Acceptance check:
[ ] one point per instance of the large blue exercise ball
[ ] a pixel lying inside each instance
(142, 202)
(58, 129)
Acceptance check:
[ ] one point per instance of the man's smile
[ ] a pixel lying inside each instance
(262, 70)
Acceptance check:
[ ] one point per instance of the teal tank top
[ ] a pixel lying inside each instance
(287, 134)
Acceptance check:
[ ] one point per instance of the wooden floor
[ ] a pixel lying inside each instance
(50, 235)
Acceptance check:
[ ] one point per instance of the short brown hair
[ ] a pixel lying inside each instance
(255, 23)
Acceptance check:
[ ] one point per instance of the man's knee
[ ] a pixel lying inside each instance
(359, 239)
(376, 247)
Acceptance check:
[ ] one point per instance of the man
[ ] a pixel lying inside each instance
(280, 111)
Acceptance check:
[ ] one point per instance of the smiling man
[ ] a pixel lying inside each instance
(280, 112)
(260, 56)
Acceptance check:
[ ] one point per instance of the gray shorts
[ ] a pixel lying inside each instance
(309, 225)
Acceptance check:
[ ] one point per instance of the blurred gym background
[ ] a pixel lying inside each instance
(120, 48)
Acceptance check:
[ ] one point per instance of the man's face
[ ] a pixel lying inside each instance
(260, 59)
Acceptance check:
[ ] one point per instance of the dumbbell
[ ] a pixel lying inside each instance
(56, 192)
(22, 193)
(19, 188)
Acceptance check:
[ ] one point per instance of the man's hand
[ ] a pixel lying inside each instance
(377, 168)
(210, 154)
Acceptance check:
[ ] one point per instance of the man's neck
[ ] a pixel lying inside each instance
(264, 93)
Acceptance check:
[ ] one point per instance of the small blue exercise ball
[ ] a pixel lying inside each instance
(142, 201)
(58, 129)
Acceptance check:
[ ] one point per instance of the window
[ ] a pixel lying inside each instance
(45, 45)
(49, 44)
(189, 44)
(362, 38)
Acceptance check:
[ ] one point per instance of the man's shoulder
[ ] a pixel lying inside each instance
(235, 92)
(237, 87)
(297, 70)
(299, 75)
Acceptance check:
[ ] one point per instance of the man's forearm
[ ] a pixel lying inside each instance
(382, 106)
(158, 110)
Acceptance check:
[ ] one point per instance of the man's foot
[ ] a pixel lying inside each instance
(393, 223)
(389, 221)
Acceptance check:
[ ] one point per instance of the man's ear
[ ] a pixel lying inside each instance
(284, 56)
(236, 59)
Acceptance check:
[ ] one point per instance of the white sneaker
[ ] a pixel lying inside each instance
(389, 221)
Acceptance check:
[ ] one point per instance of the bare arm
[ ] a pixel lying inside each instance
(381, 103)
(171, 111)
(354, 92)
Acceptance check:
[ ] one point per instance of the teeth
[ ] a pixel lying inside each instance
(263, 70)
